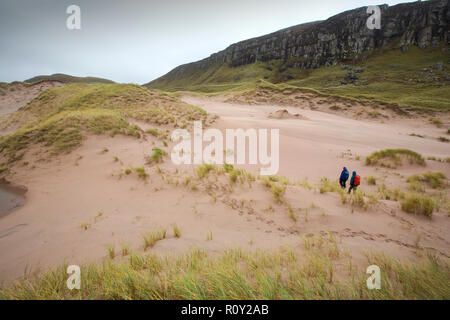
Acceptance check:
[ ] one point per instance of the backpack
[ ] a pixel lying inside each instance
(357, 180)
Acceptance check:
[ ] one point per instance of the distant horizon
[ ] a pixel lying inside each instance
(139, 41)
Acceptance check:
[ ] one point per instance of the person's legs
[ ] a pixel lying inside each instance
(352, 188)
(342, 183)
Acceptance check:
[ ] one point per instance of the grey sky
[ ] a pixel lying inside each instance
(136, 40)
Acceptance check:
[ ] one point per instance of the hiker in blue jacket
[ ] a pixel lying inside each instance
(343, 178)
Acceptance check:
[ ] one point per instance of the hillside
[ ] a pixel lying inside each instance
(406, 62)
(60, 118)
(65, 78)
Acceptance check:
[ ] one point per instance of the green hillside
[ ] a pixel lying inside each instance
(65, 78)
(417, 78)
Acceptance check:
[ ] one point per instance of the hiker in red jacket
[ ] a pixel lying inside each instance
(354, 182)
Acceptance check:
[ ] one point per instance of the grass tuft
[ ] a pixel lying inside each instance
(419, 204)
(371, 180)
(151, 238)
(433, 179)
(176, 231)
(392, 158)
(141, 173)
(111, 251)
(157, 156)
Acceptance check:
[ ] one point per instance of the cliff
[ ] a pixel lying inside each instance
(340, 38)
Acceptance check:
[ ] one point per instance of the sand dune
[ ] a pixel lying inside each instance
(16, 95)
(78, 204)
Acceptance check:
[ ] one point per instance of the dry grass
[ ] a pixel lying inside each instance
(392, 158)
(371, 180)
(419, 204)
(326, 185)
(435, 180)
(60, 118)
(151, 238)
(85, 225)
(176, 231)
(157, 156)
(390, 194)
(323, 272)
(142, 174)
(111, 251)
(291, 214)
(126, 250)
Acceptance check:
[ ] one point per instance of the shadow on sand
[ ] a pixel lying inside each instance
(11, 197)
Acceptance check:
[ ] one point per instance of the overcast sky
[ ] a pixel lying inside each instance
(135, 40)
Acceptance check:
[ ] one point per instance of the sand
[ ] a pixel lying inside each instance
(18, 95)
(86, 188)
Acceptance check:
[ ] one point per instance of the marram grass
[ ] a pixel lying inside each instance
(322, 273)
(392, 158)
(60, 118)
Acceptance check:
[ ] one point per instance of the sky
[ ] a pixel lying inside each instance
(136, 41)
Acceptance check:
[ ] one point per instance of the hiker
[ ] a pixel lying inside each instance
(354, 182)
(343, 178)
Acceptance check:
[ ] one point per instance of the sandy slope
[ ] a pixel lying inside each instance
(17, 95)
(320, 145)
(71, 190)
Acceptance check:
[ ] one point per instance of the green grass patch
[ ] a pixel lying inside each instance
(156, 156)
(142, 174)
(153, 131)
(394, 79)
(392, 158)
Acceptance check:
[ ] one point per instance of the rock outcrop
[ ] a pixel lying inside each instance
(340, 38)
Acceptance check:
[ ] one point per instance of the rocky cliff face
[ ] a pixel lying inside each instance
(337, 39)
